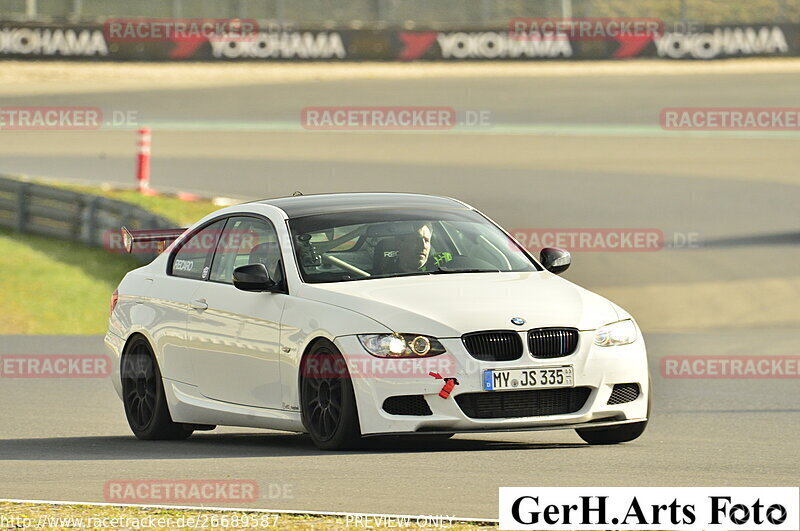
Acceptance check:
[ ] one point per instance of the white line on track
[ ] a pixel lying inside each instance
(544, 129)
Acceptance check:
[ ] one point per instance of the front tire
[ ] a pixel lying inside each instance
(144, 398)
(327, 399)
(619, 434)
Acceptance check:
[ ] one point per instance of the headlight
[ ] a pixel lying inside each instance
(613, 334)
(401, 345)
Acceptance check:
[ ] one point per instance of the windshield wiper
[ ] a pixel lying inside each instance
(390, 275)
(441, 270)
(476, 270)
(407, 274)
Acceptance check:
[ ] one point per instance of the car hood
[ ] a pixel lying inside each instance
(453, 304)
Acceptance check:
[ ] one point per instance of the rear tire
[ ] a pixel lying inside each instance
(327, 399)
(144, 398)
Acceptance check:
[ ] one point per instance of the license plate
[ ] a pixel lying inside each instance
(539, 378)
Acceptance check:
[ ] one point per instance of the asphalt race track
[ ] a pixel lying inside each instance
(560, 152)
(64, 439)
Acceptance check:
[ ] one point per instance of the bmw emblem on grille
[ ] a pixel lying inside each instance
(519, 321)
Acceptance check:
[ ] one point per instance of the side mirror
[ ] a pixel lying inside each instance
(253, 277)
(555, 260)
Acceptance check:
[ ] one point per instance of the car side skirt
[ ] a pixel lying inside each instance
(188, 405)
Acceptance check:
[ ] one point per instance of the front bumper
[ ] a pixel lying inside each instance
(596, 368)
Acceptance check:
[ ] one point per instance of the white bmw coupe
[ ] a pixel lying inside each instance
(355, 315)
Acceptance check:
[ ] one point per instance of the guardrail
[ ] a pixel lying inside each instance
(39, 209)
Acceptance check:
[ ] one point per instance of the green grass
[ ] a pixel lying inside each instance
(703, 11)
(53, 286)
(51, 515)
(182, 212)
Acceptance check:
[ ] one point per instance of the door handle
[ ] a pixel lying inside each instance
(199, 304)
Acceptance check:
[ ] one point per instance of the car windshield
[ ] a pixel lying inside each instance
(369, 244)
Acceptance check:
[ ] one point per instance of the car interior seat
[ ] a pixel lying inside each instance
(386, 256)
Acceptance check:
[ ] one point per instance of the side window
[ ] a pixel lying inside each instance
(244, 241)
(191, 260)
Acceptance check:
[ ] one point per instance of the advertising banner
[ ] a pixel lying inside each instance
(244, 40)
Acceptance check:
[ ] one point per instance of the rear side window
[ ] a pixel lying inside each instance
(193, 257)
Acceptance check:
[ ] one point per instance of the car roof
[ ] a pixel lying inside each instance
(307, 205)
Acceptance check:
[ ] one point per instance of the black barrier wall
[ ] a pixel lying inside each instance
(82, 42)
